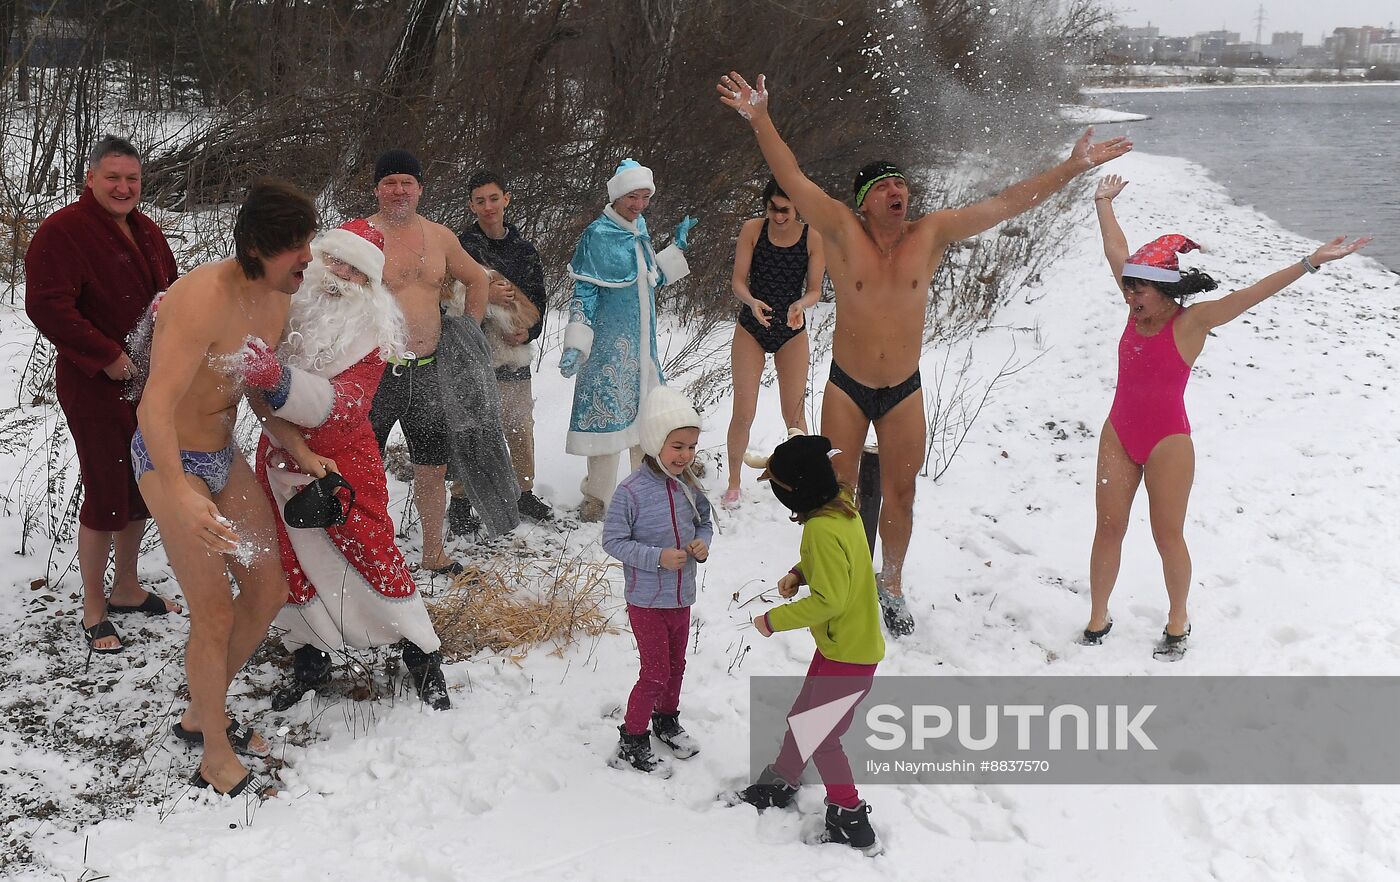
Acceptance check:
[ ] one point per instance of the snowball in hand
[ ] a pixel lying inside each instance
(254, 364)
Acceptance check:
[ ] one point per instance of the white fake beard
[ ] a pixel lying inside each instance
(329, 315)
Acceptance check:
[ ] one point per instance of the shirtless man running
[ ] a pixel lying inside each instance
(213, 517)
(421, 259)
(880, 264)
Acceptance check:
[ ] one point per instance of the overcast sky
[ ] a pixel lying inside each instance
(1180, 18)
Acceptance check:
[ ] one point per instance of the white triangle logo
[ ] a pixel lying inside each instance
(810, 728)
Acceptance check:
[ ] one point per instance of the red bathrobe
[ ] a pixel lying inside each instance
(86, 287)
(349, 585)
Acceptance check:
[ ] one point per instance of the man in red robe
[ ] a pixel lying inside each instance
(91, 271)
(349, 584)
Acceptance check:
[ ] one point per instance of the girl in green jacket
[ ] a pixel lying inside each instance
(843, 613)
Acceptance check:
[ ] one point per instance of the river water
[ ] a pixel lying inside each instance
(1321, 160)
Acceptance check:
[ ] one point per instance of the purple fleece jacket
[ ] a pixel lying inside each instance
(650, 512)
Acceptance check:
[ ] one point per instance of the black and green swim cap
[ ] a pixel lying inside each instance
(871, 174)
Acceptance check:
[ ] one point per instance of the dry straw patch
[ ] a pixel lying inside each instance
(486, 608)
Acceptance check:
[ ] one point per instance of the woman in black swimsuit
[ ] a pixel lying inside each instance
(778, 269)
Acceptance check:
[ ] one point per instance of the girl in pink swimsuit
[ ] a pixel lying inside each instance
(1147, 438)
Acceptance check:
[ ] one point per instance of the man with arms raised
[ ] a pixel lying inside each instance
(420, 260)
(880, 264)
(213, 518)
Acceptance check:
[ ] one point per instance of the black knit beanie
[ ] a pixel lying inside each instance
(872, 174)
(397, 162)
(800, 473)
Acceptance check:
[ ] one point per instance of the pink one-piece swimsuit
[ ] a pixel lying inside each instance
(1150, 402)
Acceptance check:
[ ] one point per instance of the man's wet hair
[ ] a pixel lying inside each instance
(770, 190)
(111, 145)
(1193, 281)
(276, 217)
(483, 177)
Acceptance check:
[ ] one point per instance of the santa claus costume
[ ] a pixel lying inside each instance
(349, 584)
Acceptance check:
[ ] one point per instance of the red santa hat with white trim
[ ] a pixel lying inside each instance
(1156, 261)
(357, 243)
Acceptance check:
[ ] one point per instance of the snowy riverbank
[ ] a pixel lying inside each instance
(1291, 529)
(1146, 86)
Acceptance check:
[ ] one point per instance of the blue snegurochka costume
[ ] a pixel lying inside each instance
(612, 321)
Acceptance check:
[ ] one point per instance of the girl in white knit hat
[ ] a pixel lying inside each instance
(658, 525)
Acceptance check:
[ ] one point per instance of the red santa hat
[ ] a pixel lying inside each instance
(356, 243)
(1156, 261)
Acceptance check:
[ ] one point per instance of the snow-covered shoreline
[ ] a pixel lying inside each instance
(1295, 423)
(1089, 115)
(1204, 87)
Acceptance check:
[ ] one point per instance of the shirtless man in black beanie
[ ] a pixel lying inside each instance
(421, 259)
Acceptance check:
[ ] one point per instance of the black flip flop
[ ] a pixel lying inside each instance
(452, 569)
(240, 736)
(153, 605)
(1172, 646)
(97, 632)
(250, 782)
(1094, 638)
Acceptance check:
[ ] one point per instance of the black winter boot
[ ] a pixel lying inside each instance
(771, 790)
(534, 508)
(425, 670)
(461, 520)
(310, 668)
(635, 751)
(668, 730)
(851, 826)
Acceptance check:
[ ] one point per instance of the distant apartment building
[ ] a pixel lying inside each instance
(1212, 45)
(1314, 56)
(1346, 47)
(1134, 45)
(1177, 50)
(1384, 51)
(1284, 46)
(1353, 45)
(1244, 55)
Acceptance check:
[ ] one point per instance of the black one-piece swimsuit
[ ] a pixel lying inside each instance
(778, 277)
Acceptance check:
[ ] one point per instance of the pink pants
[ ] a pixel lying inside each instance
(827, 681)
(661, 637)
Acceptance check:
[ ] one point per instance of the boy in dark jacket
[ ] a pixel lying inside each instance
(517, 289)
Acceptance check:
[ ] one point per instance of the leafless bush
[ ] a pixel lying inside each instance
(978, 276)
(44, 491)
(953, 403)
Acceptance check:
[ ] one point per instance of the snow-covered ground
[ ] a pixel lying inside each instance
(1167, 73)
(1292, 530)
(1088, 115)
(1203, 87)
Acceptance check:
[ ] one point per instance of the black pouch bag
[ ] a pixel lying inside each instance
(319, 505)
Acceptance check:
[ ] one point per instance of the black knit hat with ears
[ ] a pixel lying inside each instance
(800, 473)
